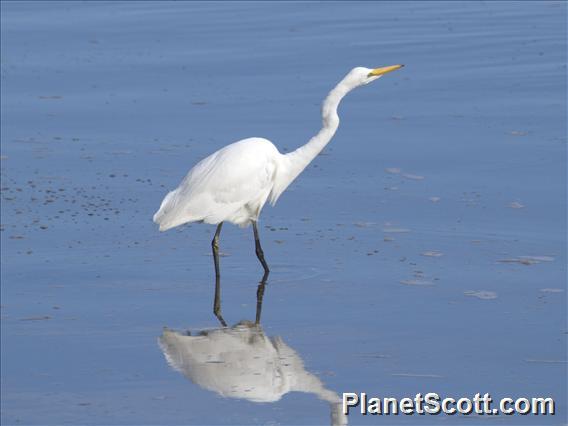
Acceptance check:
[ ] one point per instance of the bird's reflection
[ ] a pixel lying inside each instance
(217, 297)
(242, 362)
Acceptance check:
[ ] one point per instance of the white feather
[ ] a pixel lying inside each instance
(234, 183)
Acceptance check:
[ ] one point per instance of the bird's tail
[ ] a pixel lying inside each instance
(167, 216)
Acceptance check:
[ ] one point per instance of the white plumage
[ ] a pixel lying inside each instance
(230, 185)
(234, 183)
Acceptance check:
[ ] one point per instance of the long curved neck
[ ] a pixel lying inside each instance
(301, 157)
(292, 164)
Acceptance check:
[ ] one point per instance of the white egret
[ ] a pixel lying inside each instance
(234, 183)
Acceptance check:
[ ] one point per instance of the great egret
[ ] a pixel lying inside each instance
(234, 183)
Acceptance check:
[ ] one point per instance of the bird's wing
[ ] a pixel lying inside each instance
(227, 180)
(230, 175)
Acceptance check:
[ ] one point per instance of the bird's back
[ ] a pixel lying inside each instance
(231, 184)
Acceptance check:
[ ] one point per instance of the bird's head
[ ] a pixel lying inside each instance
(360, 76)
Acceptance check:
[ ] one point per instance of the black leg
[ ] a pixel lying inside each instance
(259, 297)
(260, 253)
(217, 300)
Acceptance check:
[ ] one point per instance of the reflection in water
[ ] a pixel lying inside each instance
(242, 362)
(217, 297)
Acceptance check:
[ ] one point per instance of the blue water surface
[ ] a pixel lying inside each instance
(423, 251)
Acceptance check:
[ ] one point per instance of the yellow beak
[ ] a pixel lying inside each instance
(384, 70)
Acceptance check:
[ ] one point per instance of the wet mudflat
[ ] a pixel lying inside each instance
(423, 251)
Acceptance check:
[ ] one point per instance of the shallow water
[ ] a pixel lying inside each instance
(424, 250)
